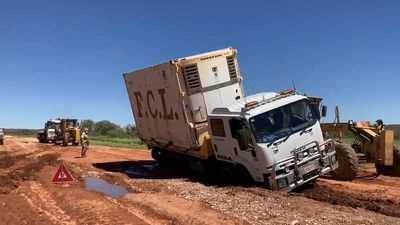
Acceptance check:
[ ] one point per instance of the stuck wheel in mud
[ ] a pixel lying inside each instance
(158, 155)
(348, 163)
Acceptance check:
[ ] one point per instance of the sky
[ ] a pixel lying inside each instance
(66, 58)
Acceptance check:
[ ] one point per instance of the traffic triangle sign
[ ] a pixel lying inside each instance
(62, 175)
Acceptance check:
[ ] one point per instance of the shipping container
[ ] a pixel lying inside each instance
(171, 101)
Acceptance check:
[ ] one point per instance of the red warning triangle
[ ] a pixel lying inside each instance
(62, 175)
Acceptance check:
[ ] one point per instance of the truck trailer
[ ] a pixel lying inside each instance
(194, 108)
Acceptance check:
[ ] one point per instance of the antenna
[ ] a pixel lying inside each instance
(251, 86)
(294, 85)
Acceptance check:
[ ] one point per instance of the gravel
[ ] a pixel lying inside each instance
(261, 206)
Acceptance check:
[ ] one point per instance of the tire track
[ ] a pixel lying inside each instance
(44, 204)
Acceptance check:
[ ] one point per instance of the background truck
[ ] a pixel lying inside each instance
(68, 132)
(194, 108)
(48, 134)
(1, 136)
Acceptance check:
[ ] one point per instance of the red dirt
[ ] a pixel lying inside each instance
(171, 196)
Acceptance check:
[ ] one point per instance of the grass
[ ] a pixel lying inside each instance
(21, 132)
(122, 142)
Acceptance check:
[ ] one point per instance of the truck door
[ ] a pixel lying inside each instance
(221, 140)
(243, 147)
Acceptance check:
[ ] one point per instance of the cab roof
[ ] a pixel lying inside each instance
(255, 104)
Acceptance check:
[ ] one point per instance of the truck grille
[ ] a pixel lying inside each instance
(231, 67)
(192, 79)
(310, 174)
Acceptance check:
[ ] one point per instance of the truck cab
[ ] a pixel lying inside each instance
(48, 134)
(1, 136)
(276, 137)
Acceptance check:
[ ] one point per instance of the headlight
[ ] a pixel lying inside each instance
(333, 159)
(300, 156)
(312, 150)
(287, 169)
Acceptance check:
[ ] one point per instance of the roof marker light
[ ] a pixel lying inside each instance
(287, 92)
(251, 104)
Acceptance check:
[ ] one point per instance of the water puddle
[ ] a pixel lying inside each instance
(141, 170)
(96, 184)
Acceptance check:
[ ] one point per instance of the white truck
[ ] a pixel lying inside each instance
(194, 108)
(48, 134)
(1, 137)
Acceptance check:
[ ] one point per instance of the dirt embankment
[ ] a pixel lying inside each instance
(169, 195)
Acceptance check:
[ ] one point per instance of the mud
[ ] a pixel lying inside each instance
(366, 200)
(155, 194)
(26, 171)
(145, 169)
(6, 160)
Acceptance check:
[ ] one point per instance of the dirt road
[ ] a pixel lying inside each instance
(169, 196)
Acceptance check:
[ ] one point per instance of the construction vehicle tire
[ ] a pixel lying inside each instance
(396, 161)
(348, 163)
(391, 170)
(65, 140)
(1, 141)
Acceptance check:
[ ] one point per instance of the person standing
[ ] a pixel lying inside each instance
(84, 141)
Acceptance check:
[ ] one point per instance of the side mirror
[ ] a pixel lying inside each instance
(324, 110)
(242, 139)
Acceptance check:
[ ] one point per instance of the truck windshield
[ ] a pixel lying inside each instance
(282, 121)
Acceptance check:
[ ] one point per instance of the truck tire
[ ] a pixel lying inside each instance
(348, 163)
(1, 141)
(396, 161)
(391, 170)
(40, 138)
(65, 140)
(158, 155)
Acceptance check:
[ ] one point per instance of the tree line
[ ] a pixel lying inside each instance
(108, 128)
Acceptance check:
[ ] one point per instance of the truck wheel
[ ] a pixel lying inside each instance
(396, 161)
(158, 155)
(1, 142)
(65, 140)
(348, 163)
(391, 170)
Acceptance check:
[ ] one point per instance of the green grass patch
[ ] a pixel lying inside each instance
(21, 132)
(122, 142)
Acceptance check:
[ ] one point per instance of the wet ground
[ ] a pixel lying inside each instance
(104, 187)
(122, 186)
